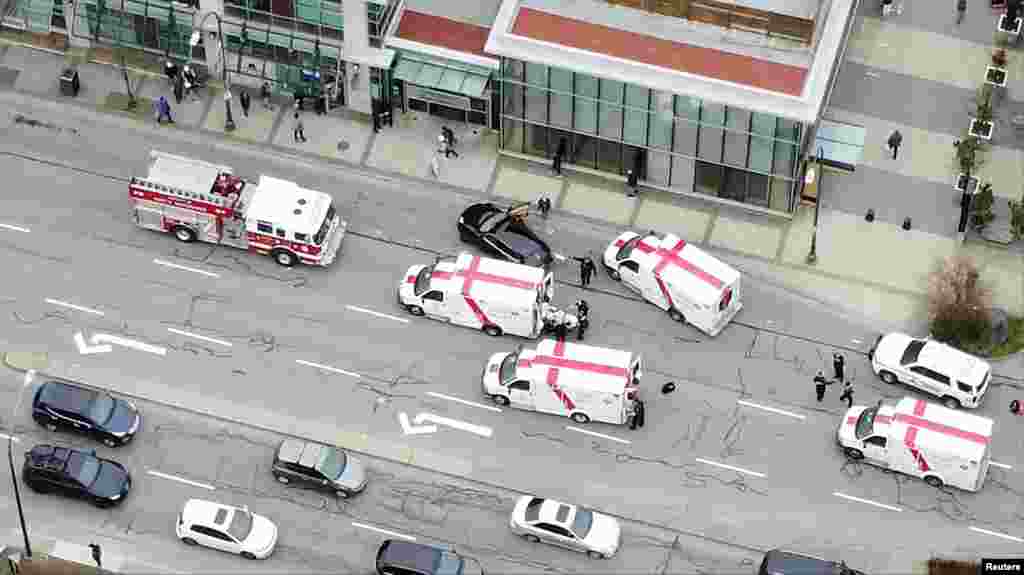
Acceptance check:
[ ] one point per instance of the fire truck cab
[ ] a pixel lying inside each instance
(197, 200)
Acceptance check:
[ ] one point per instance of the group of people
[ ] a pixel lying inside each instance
(561, 324)
(185, 80)
(839, 366)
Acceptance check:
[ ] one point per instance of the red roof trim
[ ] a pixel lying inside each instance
(707, 62)
(442, 32)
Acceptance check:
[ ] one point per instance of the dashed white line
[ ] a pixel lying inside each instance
(377, 313)
(73, 306)
(181, 479)
(202, 337)
(596, 434)
(866, 501)
(771, 409)
(6, 437)
(327, 368)
(996, 534)
(186, 268)
(384, 531)
(15, 228)
(1003, 465)
(465, 401)
(731, 467)
(857, 341)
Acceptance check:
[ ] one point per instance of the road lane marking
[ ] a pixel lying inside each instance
(410, 429)
(481, 430)
(86, 349)
(467, 402)
(771, 409)
(996, 534)
(733, 468)
(857, 341)
(1003, 465)
(377, 313)
(327, 368)
(202, 337)
(596, 434)
(73, 306)
(384, 531)
(181, 479)
(866, 501)
(185, 268)
(131, 343)
(6, 437)
(15, 228)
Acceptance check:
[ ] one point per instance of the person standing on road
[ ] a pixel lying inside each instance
(895, 139)
(819, 385)
(97, 554)
(847, 394)
(246, 101)
(961, 8)
(838, 363)
(587, 269)
(163, 110)
(179, 88)
(299, 130)
(583, 318)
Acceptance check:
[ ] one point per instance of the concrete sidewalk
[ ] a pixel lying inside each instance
(850, 274)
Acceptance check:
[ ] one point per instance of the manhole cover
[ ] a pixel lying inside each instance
(342, 145)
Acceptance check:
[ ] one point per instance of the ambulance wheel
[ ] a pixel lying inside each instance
(499, 399)
(184, 234)
(854, 453)
(595, 555)
(614, 274)
(580, 418)
(414, 309)
(641, 414)
(933, 481)
(676, 315)
(888, 377)
(492, 330)
(531, 538)
(951, 402)
(284, 258)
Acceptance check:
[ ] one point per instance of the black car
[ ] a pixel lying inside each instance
(405, 558)
(779, 562)
(76, 473)
(503, 233)
(61, 405)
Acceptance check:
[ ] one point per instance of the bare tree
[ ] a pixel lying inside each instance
(959, 303)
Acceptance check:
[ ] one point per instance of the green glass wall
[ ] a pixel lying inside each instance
(152, 24)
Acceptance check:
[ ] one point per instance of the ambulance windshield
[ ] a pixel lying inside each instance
(508, 367)
(627, 248)
(321, 234)
(866, 422)
(423, 280)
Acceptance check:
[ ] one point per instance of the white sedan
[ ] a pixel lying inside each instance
(566, 526)
(227, 528)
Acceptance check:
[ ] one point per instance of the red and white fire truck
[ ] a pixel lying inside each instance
(197, 200)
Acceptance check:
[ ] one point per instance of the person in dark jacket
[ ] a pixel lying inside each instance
(838, 363)
(583, 317)
(847, 394)
(819, 385)
(246, 101)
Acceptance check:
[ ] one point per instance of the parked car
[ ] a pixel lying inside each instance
(76, 473)
(503, 233)
(566, 525)
(227, 528)
(59, 405)
(958, 379)
(779, 562)
(308, 464)
(395, 557)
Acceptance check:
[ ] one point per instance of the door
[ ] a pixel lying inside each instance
(73, 421)
(930, 380)
(433, 304)
(556, 535)
(149, 218)
(215, 538)
(876, 451)
(519, 394)
(629, 270)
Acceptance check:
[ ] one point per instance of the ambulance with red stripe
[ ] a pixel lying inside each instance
(581, 382)
(940, 445)
(495, 296)
(200, 201)
(680, 278)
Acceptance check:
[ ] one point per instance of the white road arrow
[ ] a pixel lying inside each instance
(408, 428)
(453, 423)
(85, 349)
(131, 343)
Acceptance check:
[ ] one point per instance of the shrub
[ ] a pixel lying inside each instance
(1017, 219)
(958, 304)
(981, 207)
(938, 566)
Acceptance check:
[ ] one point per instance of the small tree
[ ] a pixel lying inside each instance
(967, 154)
(958, 303)
(981, 207)
(1017, 219)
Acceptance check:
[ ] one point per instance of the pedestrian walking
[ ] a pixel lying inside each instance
(299, 130)
(583, 318)
(632, 181)
(819, 385)
(544, 205)
(961, 8)
(448, 142)
(179, 88)
(838, 363)
(847, 394)
(559, 156)
(587, 269)
(246, 101)
(265, 96)
(895, 139)
(97, 554)
(163, 110)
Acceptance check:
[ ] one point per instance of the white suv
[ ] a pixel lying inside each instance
(957, 378)
(227, 528)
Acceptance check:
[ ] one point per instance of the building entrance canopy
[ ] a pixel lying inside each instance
(840, 145)
(437, 76)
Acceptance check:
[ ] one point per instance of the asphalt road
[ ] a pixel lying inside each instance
(83, 249)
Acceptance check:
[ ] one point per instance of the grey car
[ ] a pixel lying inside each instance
(316, 466)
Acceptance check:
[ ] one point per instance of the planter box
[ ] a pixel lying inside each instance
(995, 76)
(1008, 36)
(998, 230)
(980, 130)
(965, 184)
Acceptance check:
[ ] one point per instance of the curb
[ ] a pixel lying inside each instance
(26, 360)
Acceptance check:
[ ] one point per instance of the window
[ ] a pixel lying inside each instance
(712, 117)
(964, 387)
(584, 150)
(537, 97)
(709, 178)
(533, 509)
(513, 69)
(563, 513)
(631, 266)
(536, 140)
(513, 99)
(930, 374)
(735, 187)
(264, 227)
(876, 440)
(584, 104)
(554, 529)
(434, 296)
(301, 237)
(512, 135)
(560, 113)
(913, 350)
(737, 137)
(609, 156)
(280, 233)
(610, 111)
(521, 385)
(637, 103)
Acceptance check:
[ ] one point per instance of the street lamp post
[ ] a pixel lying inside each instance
(229, 121)
(812, 256)
(10, 460)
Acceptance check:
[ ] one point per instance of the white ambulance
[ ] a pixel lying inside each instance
(940, 445)
(582, 382)
(678, 277)
(492, 295)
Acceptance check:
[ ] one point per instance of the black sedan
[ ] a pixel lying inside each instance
(76, 473)
(503, 233)
(61, 405)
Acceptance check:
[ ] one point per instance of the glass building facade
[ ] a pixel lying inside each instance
(148, 24)
(669, 140)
